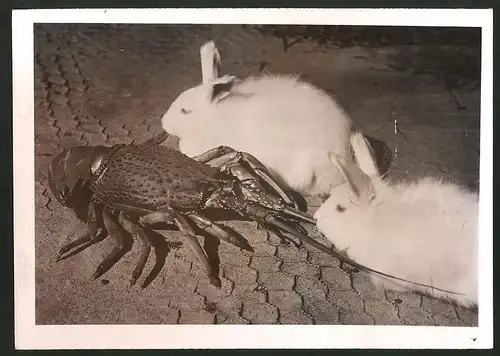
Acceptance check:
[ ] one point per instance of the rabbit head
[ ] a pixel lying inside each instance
(200, 98)
(198, 101)
(361, 177)
(351, 203)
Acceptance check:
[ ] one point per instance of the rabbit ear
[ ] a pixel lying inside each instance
(359, 183)
(364, 154)
(221, 88)
(210, 62)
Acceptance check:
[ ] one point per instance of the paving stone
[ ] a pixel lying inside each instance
(42, 113)
(114, 128)
(184, 251)
(213, 293)
(274, 240)
(382, 311)
(322, 311)
(229, 306)
(346, 300)
(415, 316)
(96, 138)
(92, 128)
(265, 264)
(40, 198)
(469, 317)
(276, 280)
(162, 315)
(140, 134)
(59, 90)
(349, 317)
(185, 299)
(240, 275)
(443, 313)
(48, 131)
(261, 313)
(308, 287)
(404, 298)
(118, 140)
(335, 278)
(70, 70)
(323, 259)
(56, 79)
(196, 317)
(40, 93)
(263, 249)
(285, 300)
(303, 269)
(68, 127)
(291, 254)
(252, 293)
(234, 258)
(179, 266)
(59, 99)
(235, 320)
(69, 140)
(52, 70)
(363, 284)
(295, 317)
(77, 86)
(62, 113)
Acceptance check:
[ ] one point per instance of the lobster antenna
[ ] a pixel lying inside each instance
(281, 225)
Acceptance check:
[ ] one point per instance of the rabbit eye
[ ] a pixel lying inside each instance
(184, 111)
(340, 208)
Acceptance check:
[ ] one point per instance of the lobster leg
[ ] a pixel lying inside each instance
(212, 154)
(214, 229)
(226, 156)
(158, 139)
(191, 238)
(254, 192)
(273, 221)
(92, 232)
(284, 240)
(138, 232)
(118, 252)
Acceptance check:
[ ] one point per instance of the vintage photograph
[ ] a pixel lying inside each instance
(256, 174)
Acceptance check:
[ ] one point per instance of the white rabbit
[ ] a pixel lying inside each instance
(289, 125)
(425, 231)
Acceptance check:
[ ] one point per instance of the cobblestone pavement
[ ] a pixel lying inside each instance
(97, 84)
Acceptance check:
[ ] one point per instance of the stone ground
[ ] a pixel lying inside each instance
(108, 84)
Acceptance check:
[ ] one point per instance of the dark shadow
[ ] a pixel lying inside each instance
(299, 199)
(211, 246)
(214, 214)
(126, 242)
(383, 155)
(80, 201)
(453, 66)
(162, 248)
(346, 36)
(100, 237)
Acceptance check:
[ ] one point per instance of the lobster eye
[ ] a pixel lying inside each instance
(184, 111)
(340, 208)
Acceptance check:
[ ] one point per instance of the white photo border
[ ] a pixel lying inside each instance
(28, 335)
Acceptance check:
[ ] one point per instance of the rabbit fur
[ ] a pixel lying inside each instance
(288, 124)
(425, 231)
